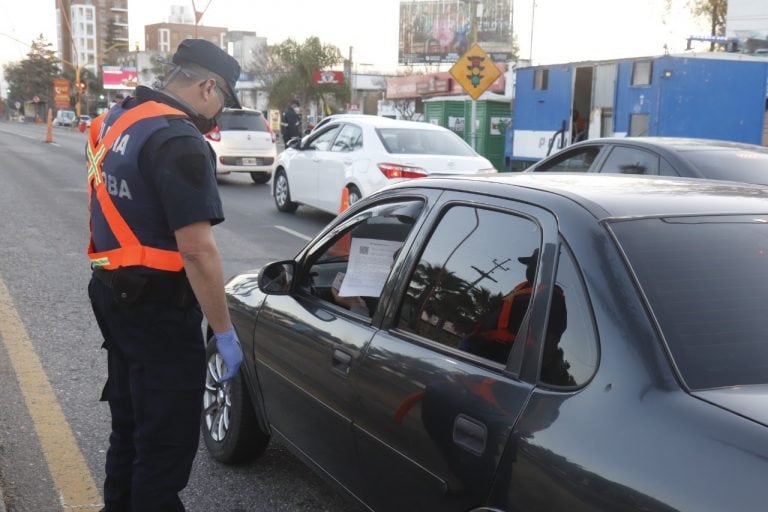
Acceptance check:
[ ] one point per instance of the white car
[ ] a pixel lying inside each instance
(243, 142)
(351, 157)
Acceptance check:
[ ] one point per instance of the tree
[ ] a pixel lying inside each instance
(286, 71)
(714, 11)
(34, 75)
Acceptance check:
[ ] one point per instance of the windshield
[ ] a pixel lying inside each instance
(747, 165)
(706, 279)
(423, 142)
(242, 120)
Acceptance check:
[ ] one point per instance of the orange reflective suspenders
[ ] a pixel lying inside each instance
(130, 251)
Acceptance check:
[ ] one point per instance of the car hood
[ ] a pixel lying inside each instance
(748, 401)
(437, 165)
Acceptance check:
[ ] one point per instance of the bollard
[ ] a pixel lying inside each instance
(49, 133)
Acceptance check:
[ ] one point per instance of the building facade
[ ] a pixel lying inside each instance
(91, 32)
(747, 20)
(165, 37)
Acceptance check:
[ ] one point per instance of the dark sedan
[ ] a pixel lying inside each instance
(515, 343)
(663, 156)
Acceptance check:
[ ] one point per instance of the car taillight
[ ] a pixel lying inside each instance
(214, 135)
(392, 171)
(272, 133)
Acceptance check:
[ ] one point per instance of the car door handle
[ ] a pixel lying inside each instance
(340, 362)
(470, 434)
(347, 162)
(315, 159)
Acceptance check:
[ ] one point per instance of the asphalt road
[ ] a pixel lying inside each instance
(43, 236)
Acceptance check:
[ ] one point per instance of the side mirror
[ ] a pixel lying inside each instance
(276, 278)
(294, 143)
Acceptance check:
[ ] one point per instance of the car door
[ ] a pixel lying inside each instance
(308, 344)
(335, 165)
(436, 409)
(303, 172)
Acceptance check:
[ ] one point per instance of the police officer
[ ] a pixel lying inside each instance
(290, 124)
(156, 270)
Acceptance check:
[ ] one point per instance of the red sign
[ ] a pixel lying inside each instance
(328, 77)
(415, 86)
(61, 93)
(116, 77)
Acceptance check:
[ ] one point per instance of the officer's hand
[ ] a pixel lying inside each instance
(229, 347)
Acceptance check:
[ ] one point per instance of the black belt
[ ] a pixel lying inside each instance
(129, 286)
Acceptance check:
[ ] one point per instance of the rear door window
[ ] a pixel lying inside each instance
(242, 120)
(626, 160)
(706, 281)
(574, 160)
(472, 285)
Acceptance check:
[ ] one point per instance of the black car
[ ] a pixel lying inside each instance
(515, 343)
(663, 156)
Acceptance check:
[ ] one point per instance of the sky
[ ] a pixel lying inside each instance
(563, 30)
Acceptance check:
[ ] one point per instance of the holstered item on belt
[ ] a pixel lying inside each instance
(129, 287)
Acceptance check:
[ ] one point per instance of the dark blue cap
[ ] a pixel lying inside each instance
(209, 56)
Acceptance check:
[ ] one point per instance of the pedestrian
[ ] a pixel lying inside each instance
(290, 124)
(156, 271)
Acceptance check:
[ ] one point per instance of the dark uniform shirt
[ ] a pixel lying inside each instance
(178, 167)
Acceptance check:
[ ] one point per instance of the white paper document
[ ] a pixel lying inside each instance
(369, 263)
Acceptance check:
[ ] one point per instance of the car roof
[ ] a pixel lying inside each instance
(671, 143)
(244, 109)
(386, 122)
(610, 196)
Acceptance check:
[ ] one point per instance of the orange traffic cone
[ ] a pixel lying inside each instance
(49, 134)
(344, 199)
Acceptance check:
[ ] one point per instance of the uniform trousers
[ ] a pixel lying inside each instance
(156, 376)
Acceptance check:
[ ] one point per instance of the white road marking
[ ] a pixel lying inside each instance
(294, 233)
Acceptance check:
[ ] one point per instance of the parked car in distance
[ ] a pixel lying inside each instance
(664, 156)
(243, 142)
(65, 118)
(86, 119)
(518, 342)
(361, 154)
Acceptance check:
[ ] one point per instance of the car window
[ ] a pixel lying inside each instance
(739, 164)
(415, 141)
(706, 281)
(350, 138)
(569, 358)
(323, 140)
(626, 160)
(242, 120)
(575, 160)
(351, 269)
(471, 287)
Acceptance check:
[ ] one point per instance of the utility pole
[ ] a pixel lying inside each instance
(473, 116)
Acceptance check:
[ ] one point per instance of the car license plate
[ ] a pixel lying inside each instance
(249, 161)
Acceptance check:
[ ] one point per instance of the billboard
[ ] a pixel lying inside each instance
(61, 93)
(116, 77)
(439, 31)
(328, 77)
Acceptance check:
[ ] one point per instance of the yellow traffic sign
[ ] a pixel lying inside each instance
(475, 71)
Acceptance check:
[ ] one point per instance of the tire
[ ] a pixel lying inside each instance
(228, 421)
(283, 194)
(260, 177)
(354, 194)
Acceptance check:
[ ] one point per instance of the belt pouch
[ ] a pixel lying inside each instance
(127, 286)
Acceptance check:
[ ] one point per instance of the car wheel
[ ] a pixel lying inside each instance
(229, 423)
(283, 194)
(260, 177)
(354, 194)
